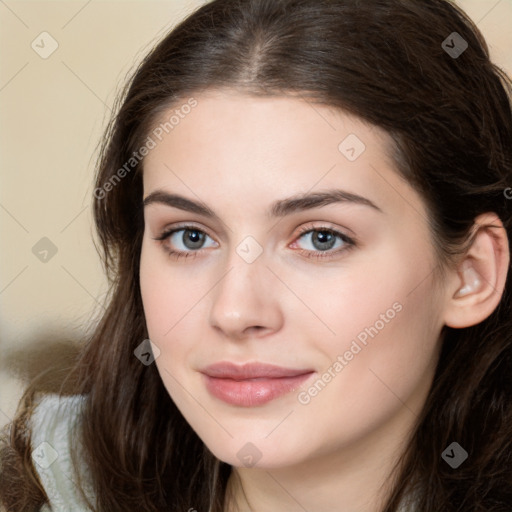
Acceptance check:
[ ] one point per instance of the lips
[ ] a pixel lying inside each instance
(251, 384)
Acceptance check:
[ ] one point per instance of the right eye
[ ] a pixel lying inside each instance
(184, 241)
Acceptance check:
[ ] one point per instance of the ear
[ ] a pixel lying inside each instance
(474, 289)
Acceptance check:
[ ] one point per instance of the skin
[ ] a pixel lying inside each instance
(239, 154)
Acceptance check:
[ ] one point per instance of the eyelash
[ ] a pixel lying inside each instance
(350, 243)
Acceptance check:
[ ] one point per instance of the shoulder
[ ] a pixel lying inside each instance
(54, 426)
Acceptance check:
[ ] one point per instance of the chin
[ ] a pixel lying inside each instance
(256, 451)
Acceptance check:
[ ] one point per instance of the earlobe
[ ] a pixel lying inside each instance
(479, 280)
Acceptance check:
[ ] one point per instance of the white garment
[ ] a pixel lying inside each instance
(52, 423)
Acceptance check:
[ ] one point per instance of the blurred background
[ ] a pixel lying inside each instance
(62, 64)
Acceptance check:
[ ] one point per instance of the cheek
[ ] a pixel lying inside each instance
(165, 302)
(174, 313)
(387, 325)
(167, 293)
(157, 298)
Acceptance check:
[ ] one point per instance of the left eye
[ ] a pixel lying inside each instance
(324, 240)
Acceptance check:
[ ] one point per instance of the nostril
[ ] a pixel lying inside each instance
(255, 329)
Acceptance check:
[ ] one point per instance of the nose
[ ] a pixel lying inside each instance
(245, 303)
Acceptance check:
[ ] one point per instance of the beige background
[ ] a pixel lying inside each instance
(52, 112)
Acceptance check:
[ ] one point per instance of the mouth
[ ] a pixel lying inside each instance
(251, 384)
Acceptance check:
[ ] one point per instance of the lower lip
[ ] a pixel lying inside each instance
(253, 392)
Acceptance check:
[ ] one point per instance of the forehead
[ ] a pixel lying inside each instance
(270, 146)
(264, 123)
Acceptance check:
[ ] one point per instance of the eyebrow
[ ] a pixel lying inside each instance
(280, 208)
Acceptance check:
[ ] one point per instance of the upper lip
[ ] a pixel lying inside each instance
(228, 370)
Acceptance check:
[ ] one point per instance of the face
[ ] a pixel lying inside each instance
(286, 277)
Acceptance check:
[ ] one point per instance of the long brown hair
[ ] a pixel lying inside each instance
(447, 109)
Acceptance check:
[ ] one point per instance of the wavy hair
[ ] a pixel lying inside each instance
(450, 120)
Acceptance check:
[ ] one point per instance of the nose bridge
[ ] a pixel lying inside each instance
(246, 264)
(245, 296)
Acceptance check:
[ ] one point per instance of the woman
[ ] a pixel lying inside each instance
(303, 205)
